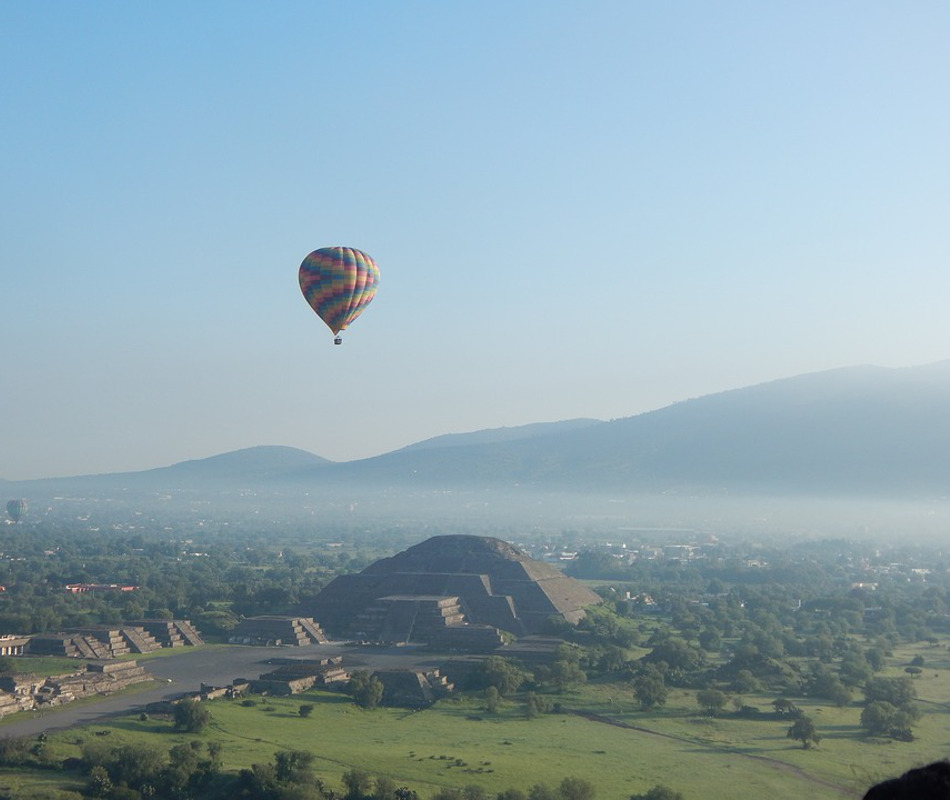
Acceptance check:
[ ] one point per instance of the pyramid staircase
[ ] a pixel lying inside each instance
(189, 633)
(95, 642)
(172, 632)
(121, 641)
(312, 628)
(295, 631)
(404, 618)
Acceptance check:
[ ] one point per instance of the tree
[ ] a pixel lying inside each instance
(572, 788)
(384, 788)
(366, 689)
(358, 784)
(650, 689)
(214, 757)
(492, 700)
(191, 716)
(137, 765)
(712, 701)
(876, 718)
(541, 791)
(745, 682)
(473, 792)
(100, 784)
(258, 781)
(679, 655)
(293, 766)
(875, 658)
(881, 718)
(898, 692)
(854, 669)
(506, 676)
(785, 708)
(825, 684)
(609, 657)
(14, 750)
(567, 673)
(803, 730)
(182, 768)
(306, 709)
(535, 704)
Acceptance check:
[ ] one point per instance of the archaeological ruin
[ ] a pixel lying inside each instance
(457, 592)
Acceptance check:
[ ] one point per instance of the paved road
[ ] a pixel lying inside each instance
(186, 670)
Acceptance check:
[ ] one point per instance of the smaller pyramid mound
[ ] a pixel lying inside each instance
(492, 583)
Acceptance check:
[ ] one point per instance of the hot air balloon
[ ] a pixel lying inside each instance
(338, 283)
(16, 509)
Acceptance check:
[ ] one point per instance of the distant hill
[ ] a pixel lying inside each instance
(496, 435)
(855, 431)
(239, 469)
(264, 462)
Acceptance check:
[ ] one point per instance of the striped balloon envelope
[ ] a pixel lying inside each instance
(338, 283)
(16, 509)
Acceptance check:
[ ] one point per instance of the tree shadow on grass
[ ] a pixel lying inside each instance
(135, 725)
(840, 732)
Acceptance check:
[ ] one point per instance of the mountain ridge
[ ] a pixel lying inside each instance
(855, 430)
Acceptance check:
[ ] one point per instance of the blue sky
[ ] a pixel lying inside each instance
(579, 210)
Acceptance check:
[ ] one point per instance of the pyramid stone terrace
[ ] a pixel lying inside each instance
(448, 584)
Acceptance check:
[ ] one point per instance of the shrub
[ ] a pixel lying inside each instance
(658, 792)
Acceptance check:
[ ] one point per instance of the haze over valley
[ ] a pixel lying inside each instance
(857, 450)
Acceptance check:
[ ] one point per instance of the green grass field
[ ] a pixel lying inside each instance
(620, 750)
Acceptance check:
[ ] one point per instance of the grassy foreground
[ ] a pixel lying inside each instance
(599, 736)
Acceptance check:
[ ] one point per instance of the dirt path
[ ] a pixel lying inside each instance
(775, 763)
